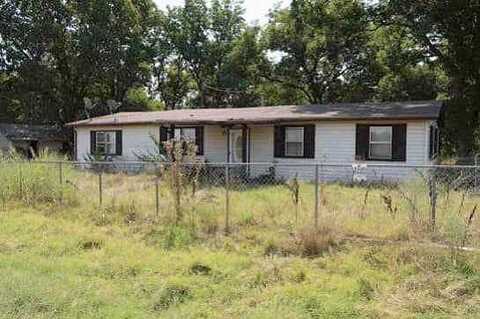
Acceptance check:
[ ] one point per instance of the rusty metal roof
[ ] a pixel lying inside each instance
(275, 114)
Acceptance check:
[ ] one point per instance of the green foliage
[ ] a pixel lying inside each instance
(323, 47)
(65, 60)
(137, 99)
(404, 72)
(56, 54)
(177, 237)
(134, 266)
(446, 32)
(211, 42)
(32, 182)
(172, 295)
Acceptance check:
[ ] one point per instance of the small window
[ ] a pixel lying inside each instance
(105, 143)
(380, 143)
(185, 134)
(294, 141)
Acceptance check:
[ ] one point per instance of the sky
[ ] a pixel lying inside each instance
(256, 10)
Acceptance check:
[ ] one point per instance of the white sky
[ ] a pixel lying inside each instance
(256, 10)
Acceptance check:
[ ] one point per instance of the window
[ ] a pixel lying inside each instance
(105, 143)
(185, 134)
(380, 143)
(294, 141)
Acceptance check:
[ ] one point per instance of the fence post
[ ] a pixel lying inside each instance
(317, 199)
(60, 179)
(433, 200)
(60, 173)
(157, 199)
(227, 198)
(20, 179)
(100, 190)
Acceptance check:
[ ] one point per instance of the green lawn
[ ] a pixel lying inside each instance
(64, 256)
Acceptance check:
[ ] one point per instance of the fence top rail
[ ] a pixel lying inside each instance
(223, 164)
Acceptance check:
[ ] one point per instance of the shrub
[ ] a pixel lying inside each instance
(314, 243)
(177, 236)
(200, 269)
(365, 289)
(247, 219)
(171, 294)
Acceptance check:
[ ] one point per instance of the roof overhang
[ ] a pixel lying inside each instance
(413, 111)
(251, 122)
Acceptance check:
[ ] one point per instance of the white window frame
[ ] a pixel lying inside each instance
(372, 142)
(180, 134)
(112, 142)
(302, 141)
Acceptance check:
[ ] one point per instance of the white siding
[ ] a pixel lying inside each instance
(136, 139)
(261, 148)
(335, 144)
(215, 142)
(261, 144)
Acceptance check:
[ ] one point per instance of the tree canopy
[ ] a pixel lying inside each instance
(63, 60)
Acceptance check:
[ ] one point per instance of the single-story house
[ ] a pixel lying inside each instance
(402, 134)
(30, 140)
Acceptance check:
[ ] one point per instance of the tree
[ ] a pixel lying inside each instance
(171, 79)
(29, 32)
(109, 37)
(322, 47)
(217, 49)
(174, 83)
(449, 32)
(137, 99)
(404, 72)
(55, 55)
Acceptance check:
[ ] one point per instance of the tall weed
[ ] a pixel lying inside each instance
(33, 182)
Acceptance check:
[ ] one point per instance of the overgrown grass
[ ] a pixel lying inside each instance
(62, 255)
(33, 182)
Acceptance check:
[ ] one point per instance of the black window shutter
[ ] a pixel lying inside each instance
(309, 141)
(245, 145)
(279, 142)
(438, 142)
(362, 146)
(163, 134)
(199, 140)
(93, 142)
(75, 145)
(431, 149)
(119, 143)
(399, 142)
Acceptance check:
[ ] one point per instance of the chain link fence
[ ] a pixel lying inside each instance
(366, 200)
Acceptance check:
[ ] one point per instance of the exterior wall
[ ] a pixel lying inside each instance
(215, 144)
(335, 144)
(136, 139)
(261, 148)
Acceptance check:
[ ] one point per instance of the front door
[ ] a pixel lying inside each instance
(237, 146)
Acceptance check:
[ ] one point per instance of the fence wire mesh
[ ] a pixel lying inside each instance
(387, 201)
